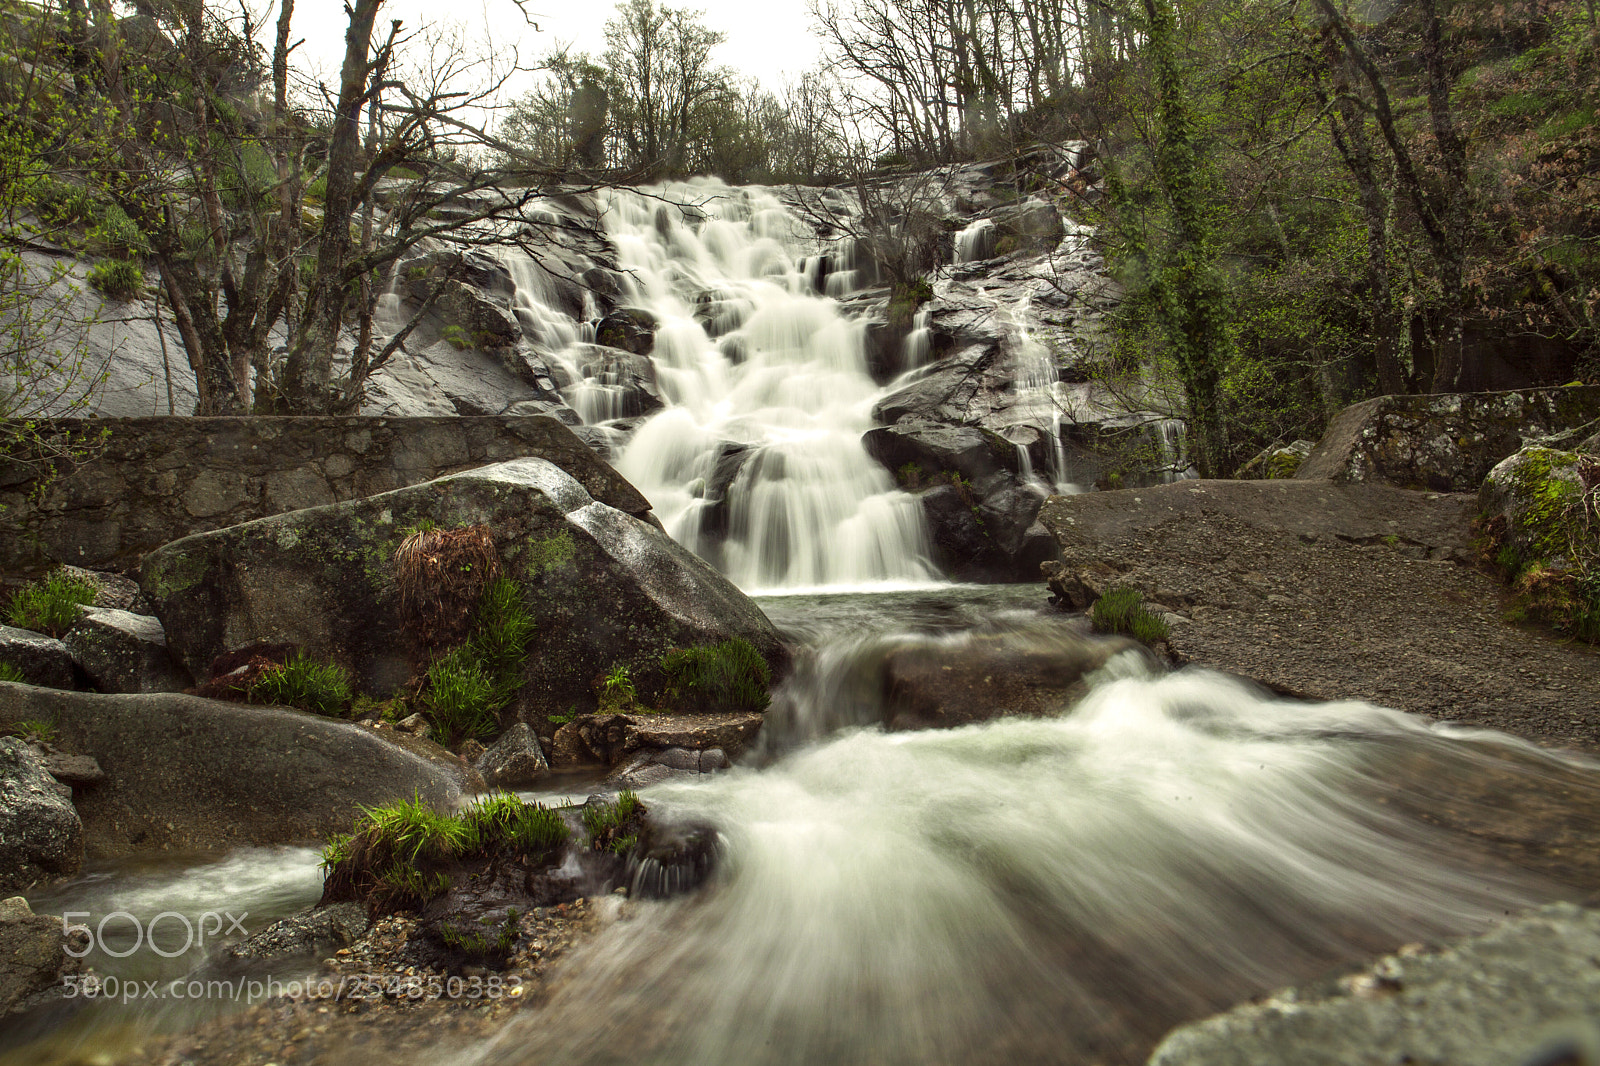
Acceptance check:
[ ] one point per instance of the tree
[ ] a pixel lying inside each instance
(664, 86)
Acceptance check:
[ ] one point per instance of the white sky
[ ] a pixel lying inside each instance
(766, 39)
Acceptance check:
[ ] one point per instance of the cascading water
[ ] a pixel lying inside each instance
(1056, 890)
(777, 401)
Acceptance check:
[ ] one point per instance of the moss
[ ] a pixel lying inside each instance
(1550, 556)
(544, 554)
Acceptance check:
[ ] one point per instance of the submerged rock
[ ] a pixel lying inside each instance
(41, 836)
(1524, 993)
(33, 958)
(604, 588)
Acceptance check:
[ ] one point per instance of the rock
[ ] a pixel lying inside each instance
(625, 383)
(1035, 223)
(471, 750)
(1077, 589)
(958, 390)
(935, 448)
(514, 760)
(604, 588)
(111, 590)
(150, 481)
(1446, 442)
(33, 955)
(1278, 462)
(1523, 500)
(415, 725)
(610, 738)
(933, 683)
(960, 546)
(124, 652)
(43, 660)
(316, 931)
(632, 329)
(41, 835)
(74, 769)
(241, 775)
(1513, 995)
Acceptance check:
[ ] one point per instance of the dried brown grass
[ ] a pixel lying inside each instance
(441, 575)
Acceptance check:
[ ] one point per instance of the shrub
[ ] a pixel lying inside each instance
(120, 279)
(731, 676)
(51, 605)
(303, 682)
(1122, 610)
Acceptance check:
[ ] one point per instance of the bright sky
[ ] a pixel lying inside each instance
(767, 39)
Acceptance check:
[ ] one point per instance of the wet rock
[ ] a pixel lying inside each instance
(942, 683)
(654, 767)
(42, 660)
(610, 738)
(960, 545)
(242, 775)
(33, 956)
(514, 760)
(1032, 224)
(632, 329)
(317, 931)
(604, 588)
(41, 836)
(1445, 442)
(935, 448)
(958, 391)
(1518, 994)
(627, 379)
(124, 652)
(1076, 588)
(1279, 462)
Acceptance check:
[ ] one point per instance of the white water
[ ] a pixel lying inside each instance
(1033, 890)
(809, 508)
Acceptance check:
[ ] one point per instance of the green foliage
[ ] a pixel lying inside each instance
(456, 337)
(33, 730)
(905, 298)
(1122, 610)
(468, 687)
(614, 826)
(730, 676)
(306, 683)
(460, 697)
(51, 605)
(11, 672)
(118, 235)
(404, 853)
(1552, 558)
(120, 279)
(617, 692)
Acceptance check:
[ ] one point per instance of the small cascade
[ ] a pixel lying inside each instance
(1037, 403)
(1171, 440)
(757, 461)
(919, 342)
(976, 242)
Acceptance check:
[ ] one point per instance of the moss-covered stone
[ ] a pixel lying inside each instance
(1541, 529)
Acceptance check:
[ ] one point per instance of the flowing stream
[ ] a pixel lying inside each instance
(1055, 889)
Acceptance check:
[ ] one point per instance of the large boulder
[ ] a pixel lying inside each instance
(933, 448)
(33, 958)
(41, 660)
(185, 773)
(1524, 993)
(1445, 442)
(604, 588)
(631, 329)
(41, 835)
(124, 652)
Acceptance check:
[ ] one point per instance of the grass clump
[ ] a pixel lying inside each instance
(32, 730)
(52, 604)
(460, 697)
(406, 854)
(306, 683)
(467, 688)
(1122, 610)
(730, 676)
(12, 672)
(617, 693)
(614, 826)
(119, 279)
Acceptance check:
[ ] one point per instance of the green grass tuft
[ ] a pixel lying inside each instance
(1122, 610)
(120, 279)
(11, 672)
(52, 604)
(303, 682)
(731, 676)
(33, 730)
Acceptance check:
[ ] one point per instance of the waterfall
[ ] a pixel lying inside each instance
(976, 242)
(757, 460)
